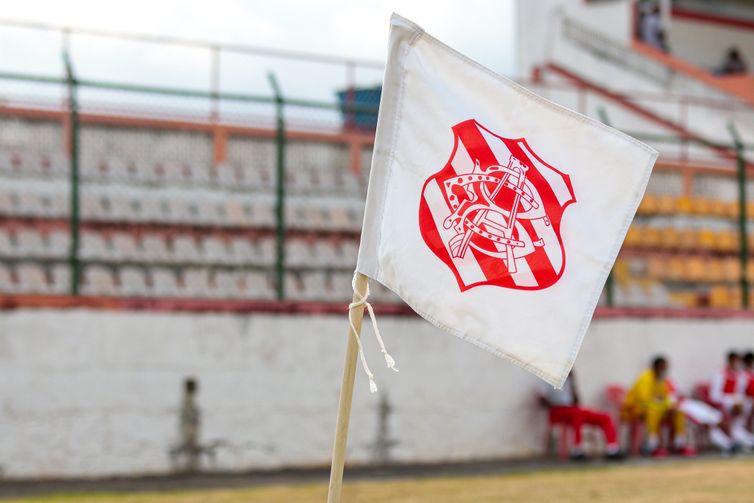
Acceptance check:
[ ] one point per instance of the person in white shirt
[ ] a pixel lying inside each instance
(651, 30)
(726, 393)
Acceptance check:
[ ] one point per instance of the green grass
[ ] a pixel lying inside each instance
(730, 481)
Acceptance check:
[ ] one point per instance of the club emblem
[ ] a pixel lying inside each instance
(493, 213)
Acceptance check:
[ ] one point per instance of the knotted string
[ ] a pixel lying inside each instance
(361, 301)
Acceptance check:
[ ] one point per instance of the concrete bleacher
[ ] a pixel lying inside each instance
(164, 217)
(156, 222)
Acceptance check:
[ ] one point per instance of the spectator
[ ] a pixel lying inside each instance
(651, 30)
(747, 387)
(726, 394)
(651, 399)
(704, 414)
(564, 407)
(733, 64)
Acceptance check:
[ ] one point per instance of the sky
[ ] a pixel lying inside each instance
(482, 29)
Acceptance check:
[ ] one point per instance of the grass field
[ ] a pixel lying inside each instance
(729, 481)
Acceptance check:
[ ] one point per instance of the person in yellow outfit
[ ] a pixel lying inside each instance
(652, 399)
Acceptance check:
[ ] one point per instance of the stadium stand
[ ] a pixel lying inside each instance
(169, 228)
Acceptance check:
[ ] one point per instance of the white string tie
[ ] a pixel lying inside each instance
(362, 302)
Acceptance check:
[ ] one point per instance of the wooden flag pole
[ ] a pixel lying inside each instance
(346, 394)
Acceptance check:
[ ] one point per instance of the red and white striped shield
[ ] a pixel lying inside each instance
(493, 213)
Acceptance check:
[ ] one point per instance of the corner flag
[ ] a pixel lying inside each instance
(494, 213)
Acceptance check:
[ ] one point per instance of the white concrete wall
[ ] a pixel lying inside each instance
(86, 393)
(538, 22)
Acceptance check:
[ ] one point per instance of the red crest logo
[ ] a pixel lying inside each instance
(493, 213)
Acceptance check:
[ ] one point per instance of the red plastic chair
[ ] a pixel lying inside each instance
(563, 442)
(562, 430)
(701, 392)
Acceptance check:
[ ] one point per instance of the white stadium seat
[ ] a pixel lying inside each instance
(7, 243)
(228, 284)
(299, 252)
(164, 282)
(93, 246)
(294, 286)
(7, 204)
(133, 282)
(216, 250)
(349, 251)
(242, 250)
(342, 288)
(257, 285)
(154, 247)
(237, 213)
(263, 212)
(61, 279)
(327, 252)
(58, 243)
(29, 243)
(227, 175)
(94, 206)
(98, 280)
(196, 283)
(124, 246)
(265, 251)
(315, 286)
(185, 249)
(6, 280)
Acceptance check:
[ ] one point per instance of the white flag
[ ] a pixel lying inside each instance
(492, 212)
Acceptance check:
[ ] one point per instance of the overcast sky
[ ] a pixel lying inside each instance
(481, 29)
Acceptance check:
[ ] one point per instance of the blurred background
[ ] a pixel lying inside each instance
(181, 193)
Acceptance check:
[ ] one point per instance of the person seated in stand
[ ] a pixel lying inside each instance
(564, 407)
(747, 387)
(733, 64)
(651, 31)
(651, 400)
(704, 414)
(728, 391)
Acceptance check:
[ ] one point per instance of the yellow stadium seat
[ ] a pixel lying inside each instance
(701, 206)
(731, 209)
(718, 208)
(714, 271)
(683, 205)
(687, 239)
(720, 297)
(727, 241)
(676, 269)
(656, 268)
(651, 237)
(669, 238)
(705, 239)
(735, 294)
(682, 299)
(648, 205)
(621, 271)
(633, 236)
(694, 269)
(731, 269)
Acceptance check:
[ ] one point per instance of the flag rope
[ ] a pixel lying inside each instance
(362, 302)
